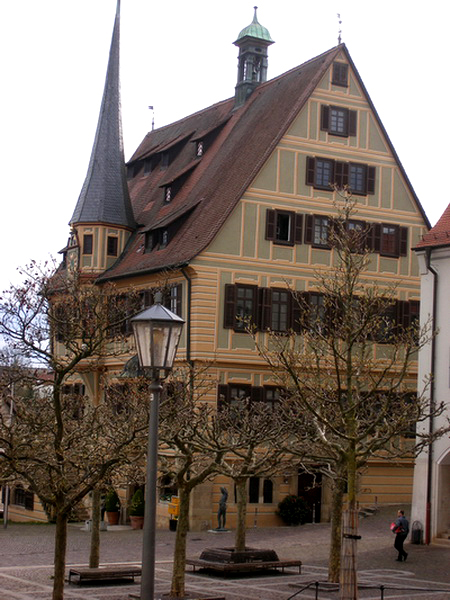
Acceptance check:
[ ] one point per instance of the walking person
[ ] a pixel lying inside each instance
(401, 529)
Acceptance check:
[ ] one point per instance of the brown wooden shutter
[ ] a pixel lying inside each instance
(403, 241)
(222, 396)
(376, 237)
(264, 308)
(270, 224)
(309, 222)
(371, 180)
(399, 312)
(310, 170)
(229, 318)
(296, 311)
(179, 290)
(352, 119)
(325, 117)
(298, 229)
(414, 311)
(340, 174)
(405, 313)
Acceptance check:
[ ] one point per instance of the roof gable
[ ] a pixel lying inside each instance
(240, 147)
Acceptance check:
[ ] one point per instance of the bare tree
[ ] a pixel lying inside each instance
(350, 373)
(191, 450)
(254, 433)
(62, 444)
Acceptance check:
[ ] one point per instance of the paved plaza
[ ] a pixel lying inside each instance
(27, 556)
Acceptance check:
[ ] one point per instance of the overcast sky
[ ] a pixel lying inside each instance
(179, 57)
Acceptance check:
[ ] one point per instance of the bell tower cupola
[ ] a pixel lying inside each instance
(253, 42)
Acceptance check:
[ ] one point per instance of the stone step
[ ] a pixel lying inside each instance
(439, 541)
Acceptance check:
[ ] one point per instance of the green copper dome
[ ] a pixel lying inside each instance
(255, 30)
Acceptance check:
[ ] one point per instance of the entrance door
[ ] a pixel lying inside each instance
(310, 488)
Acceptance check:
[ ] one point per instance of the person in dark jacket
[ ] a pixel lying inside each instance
(401, 532)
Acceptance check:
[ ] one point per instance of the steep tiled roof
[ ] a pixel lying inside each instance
(240, 141)
(245, 139)
(104, 197)
(439, 235)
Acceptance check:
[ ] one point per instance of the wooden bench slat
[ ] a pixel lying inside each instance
(104, 573)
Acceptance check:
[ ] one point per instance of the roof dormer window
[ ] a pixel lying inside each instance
(147, 166)
(168, 193)
(340, 74)
(200, 148)
(165, 159)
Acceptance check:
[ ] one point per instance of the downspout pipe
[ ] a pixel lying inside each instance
(432, 394)
(188, 318)
(189, 360)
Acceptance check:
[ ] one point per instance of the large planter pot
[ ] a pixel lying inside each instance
(137, 522)
(113, 517)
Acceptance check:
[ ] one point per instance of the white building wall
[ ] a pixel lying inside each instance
(440, 484)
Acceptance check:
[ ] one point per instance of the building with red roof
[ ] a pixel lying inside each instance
(431, 493)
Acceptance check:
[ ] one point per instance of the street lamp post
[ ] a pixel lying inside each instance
(157, 332)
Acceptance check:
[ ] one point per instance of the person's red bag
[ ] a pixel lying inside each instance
(396, 528)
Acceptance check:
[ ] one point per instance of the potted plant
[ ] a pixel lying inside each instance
(112, 507)
(137, 507)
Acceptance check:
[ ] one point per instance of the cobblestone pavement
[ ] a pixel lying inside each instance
(27, 555)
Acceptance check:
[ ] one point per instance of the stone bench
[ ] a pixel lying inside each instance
(244, 567)
(104, 574)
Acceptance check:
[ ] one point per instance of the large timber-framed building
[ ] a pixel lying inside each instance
(230, 207)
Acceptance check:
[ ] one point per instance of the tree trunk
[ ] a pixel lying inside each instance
(241, 492)
(349, 576)
(179, 556)
(60, 554)
(94, 557)
(349, 579)
(334, 563)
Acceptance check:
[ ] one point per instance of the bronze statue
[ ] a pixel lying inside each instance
(222, 513)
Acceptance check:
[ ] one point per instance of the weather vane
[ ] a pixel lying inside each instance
(153, 117)
(340, 29)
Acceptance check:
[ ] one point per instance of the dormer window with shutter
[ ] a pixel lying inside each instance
(338, 120)
(340, 74)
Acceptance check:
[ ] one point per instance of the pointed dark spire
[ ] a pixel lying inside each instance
(104, 197)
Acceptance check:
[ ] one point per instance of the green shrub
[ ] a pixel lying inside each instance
(112, 502)
(137, 505)
(293, 510)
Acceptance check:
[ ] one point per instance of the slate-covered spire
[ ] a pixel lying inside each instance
(104, 197)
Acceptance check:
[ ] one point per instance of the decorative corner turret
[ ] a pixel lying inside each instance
(253, 43)
(103, 217)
